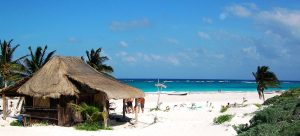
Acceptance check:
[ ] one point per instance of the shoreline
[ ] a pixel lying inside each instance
(213, 92)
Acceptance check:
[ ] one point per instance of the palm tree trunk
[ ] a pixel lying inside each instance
(4, 102)
(263, 95)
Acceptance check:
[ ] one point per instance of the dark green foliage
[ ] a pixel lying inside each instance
(262, 130)
(10, 69)
(96, 61)
(240, 128)
(16, 123)
(264, 79)
(37, 59)
(285, 96)
(89, 126)
(281, 118)
(90, 113)
(293, 129)
(92, 117)
(223, 118)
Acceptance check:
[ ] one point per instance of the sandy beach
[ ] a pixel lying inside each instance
(181, 119)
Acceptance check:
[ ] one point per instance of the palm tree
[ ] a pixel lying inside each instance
(10, 69)
(37, 59)
(264, 79)
(96, 61)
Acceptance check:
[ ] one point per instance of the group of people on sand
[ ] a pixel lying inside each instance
(139, 105)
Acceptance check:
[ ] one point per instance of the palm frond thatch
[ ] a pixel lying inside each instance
(58, 75)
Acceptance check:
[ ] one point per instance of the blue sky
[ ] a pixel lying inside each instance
(164, 38)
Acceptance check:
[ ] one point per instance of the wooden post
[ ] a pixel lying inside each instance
(124, 108)
(105, 112)
(61, 115)
(136, 110)
(4, 102)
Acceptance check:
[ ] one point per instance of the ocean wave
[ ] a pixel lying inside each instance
(248, 82)
(223, 81)
(168, 81)
(128, 80)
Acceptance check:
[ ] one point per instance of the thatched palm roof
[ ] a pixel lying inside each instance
(57, 78)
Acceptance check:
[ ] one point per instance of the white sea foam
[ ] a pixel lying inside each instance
(168, 81)
(248, 82)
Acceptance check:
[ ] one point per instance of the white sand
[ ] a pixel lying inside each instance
(180, 120)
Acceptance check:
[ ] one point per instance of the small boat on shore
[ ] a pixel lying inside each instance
(177, 93)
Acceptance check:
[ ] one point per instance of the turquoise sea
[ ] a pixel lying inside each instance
(204, 85)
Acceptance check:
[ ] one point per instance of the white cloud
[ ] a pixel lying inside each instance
(283, 21)
(73, 40)
(147, 58)
(130, 59)
(126, 57)
(240, 10)
(203, 35)
(223, 16)
(217, 56)
(129, 25)
(207, 20)
(172, 41)
(173, 60)
(123, 44)
(251, 52)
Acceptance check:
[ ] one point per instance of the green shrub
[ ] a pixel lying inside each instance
(223, 118)
(280, 118)
(16, 123)
(290, 94)
(240, 128)
(155, 109)
(91, 126)
(88, 126)
(259, 106)
(292, 129)
(261, 130)
(223, 109)
(42, 123)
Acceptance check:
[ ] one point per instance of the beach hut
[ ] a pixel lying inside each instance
(65, 80)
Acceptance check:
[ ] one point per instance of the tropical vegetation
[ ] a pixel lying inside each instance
(96, 60)
(10, 68)
(280, 118)
(91, 115)
(36, 59)
(264, 79)
(223, 118)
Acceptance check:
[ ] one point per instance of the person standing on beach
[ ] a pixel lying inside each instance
(142, 103)
(129, 105)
